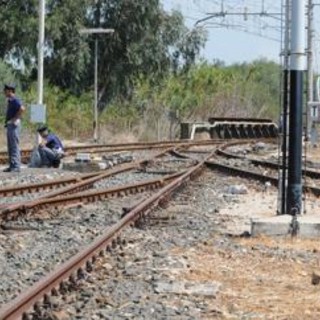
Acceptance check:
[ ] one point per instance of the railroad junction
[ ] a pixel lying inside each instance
(166, 234)
(221, 224)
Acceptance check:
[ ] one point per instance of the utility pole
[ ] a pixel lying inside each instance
(38, 111)
(95, 32)
(41, 50)
(297, 61)
(285, 104)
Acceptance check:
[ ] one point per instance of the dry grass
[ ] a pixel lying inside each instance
(256, 282)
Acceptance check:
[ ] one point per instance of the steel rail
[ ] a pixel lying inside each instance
(248, 174)
(82, 185)
(25, 153)
(52, 184)
(77, 183)
(33, 206)
(269, 164)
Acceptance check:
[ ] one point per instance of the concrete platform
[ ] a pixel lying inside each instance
(308, 226)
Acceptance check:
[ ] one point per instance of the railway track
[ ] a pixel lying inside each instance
(39, 200)
(105, 148)
(258, 170)
(312, 173)
(74, 270)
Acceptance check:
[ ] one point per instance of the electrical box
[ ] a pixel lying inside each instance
(38, 113)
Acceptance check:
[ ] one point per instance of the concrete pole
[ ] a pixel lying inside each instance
(42, 8)
(40, 50)
(297, 67)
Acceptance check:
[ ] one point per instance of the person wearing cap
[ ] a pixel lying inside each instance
(50, 148)
(12, 124)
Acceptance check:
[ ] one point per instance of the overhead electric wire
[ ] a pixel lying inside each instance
(256, 17)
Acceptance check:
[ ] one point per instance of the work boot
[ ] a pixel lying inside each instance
(11, 170)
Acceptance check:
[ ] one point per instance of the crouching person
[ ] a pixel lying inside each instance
(50, 148)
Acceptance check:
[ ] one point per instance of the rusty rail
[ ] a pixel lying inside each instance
(25, 153)
(85, 181)
(86, 197)
(52, 184)
(248, 174)
(74, 267)
(269, 164)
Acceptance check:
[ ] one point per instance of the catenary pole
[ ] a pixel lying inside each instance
(297, 66)
(285, 102)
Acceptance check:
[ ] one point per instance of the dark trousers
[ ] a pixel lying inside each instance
(13, 132)
(49, 157)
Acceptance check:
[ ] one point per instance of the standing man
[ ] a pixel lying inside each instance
(13, 124)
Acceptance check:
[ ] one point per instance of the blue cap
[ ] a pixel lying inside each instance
(10, 86)
(42, 128)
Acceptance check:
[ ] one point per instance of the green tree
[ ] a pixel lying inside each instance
(148, 42)
(8, 75)
(18, 32)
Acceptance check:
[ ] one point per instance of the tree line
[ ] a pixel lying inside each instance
(149, 68)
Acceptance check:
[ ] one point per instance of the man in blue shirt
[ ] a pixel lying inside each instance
(50, 148)
(13, 123)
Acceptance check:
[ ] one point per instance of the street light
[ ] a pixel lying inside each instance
(41, 50)
(95, 31)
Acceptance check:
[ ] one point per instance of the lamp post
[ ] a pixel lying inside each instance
(95, 31)
(38, 113)
(40, 50)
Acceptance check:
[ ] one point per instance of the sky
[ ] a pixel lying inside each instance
(234, 39)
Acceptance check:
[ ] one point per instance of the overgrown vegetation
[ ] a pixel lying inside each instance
(150, 75)
(205, 90)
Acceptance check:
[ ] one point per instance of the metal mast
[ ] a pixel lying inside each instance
(285, 102)
(296, 73)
